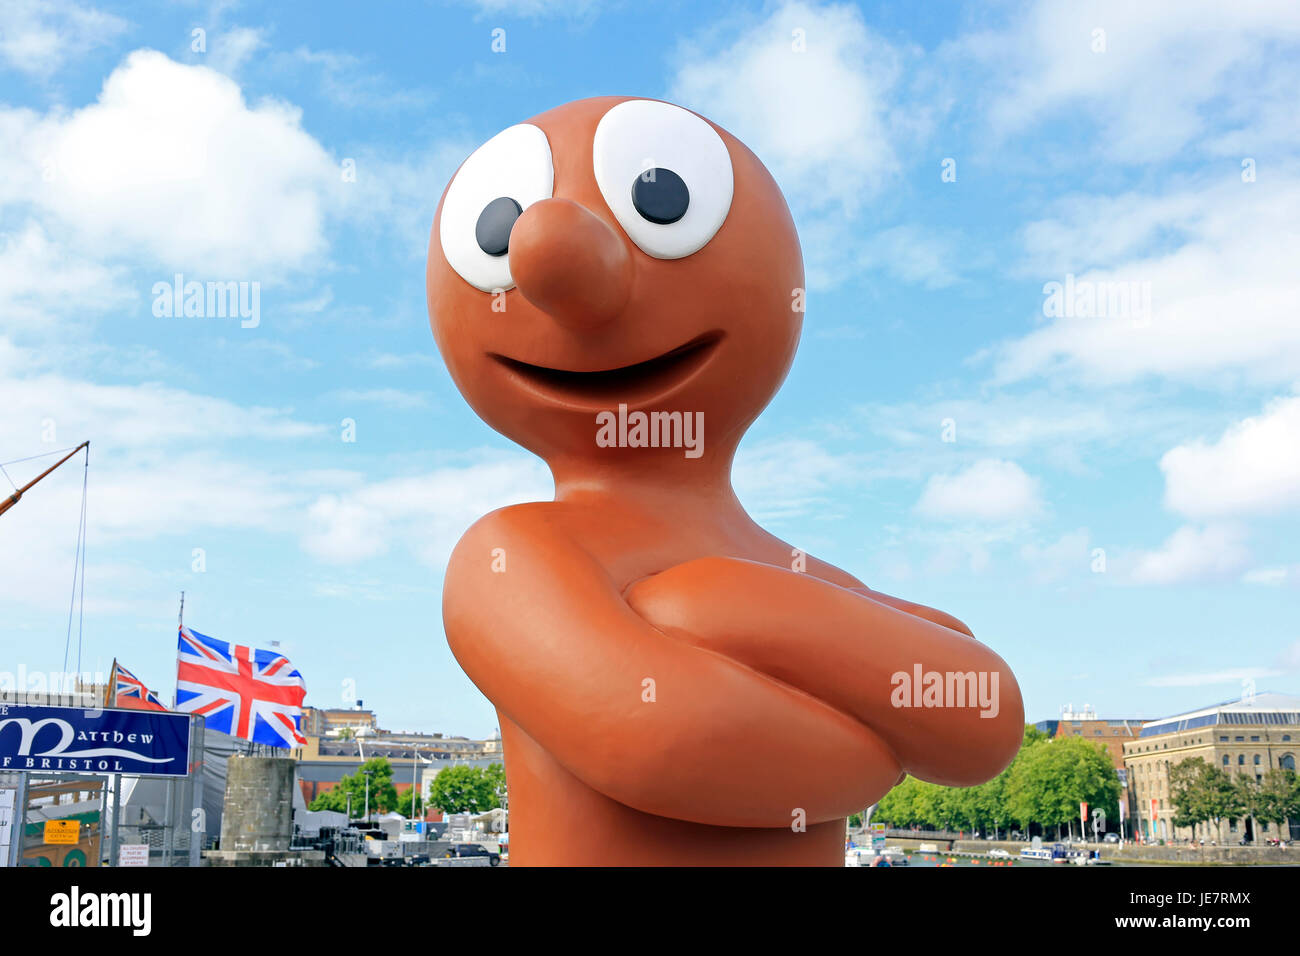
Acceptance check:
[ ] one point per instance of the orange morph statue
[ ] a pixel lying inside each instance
(617, 286)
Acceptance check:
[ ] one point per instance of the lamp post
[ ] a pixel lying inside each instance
(367, 773)
(415, 768)
(503, 798)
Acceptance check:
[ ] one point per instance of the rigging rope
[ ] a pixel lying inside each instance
(81, 603)
(44, 454)
(78, 567)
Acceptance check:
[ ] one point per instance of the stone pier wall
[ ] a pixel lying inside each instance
(258, 812)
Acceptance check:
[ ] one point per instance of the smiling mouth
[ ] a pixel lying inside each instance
(631, 384)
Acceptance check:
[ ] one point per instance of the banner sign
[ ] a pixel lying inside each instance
(77, 740)
(62, 831)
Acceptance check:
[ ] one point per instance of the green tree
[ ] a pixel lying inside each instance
(464, 789)
(916, 803)
(898, 807)
(1034, 736)
(991, 800)
(495, 774)
(404, 803)
(383, 795)
(931, 805)
(1190, 786)
(1226, 798)
(1052, 777)
(1276, 799)
(1204, 793)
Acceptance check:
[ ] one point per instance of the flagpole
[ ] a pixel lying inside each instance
(180, 623)
(110, 692)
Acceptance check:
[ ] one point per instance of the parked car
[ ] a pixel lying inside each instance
(464, 850)
(1111, 838)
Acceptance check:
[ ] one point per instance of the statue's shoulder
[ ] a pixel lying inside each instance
(506, 526)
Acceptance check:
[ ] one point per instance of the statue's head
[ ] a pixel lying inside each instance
(614, 251)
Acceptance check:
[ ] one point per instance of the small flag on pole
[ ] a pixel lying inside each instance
(128, 691)
(246, 692)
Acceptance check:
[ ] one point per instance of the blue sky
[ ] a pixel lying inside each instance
(1117, 515)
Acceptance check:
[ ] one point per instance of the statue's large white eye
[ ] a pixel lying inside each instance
(501, 179)
(665, 175)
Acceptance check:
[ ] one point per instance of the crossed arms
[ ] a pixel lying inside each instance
(720, 691)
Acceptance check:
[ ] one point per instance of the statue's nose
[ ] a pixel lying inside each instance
(570, 263)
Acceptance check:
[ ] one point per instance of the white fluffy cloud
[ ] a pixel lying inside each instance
(1253, 469)
(148, 448)
(1169, 70)
(988, 490)
(129, 416)
(40, 279)
(39, 36)
(1273, 576)
(789, 477)
(1217, 261)
(817, 116)
(157, 469)
(172, 165)
(1216, 552)
(810, 89)
(424, 514)
(167, 462)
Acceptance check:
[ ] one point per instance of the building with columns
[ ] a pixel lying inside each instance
(1248, 736)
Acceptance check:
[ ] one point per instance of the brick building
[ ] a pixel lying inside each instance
(1113, 733)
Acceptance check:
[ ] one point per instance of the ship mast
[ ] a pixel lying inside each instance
(12, 500)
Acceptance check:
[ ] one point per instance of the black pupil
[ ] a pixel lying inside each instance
(660, 195)
(494, 224)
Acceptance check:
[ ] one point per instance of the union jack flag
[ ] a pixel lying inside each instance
(129, 691)
(246, 692)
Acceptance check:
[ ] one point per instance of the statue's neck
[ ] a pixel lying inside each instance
(659, 480)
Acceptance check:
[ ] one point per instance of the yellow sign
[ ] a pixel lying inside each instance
(62, 831)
